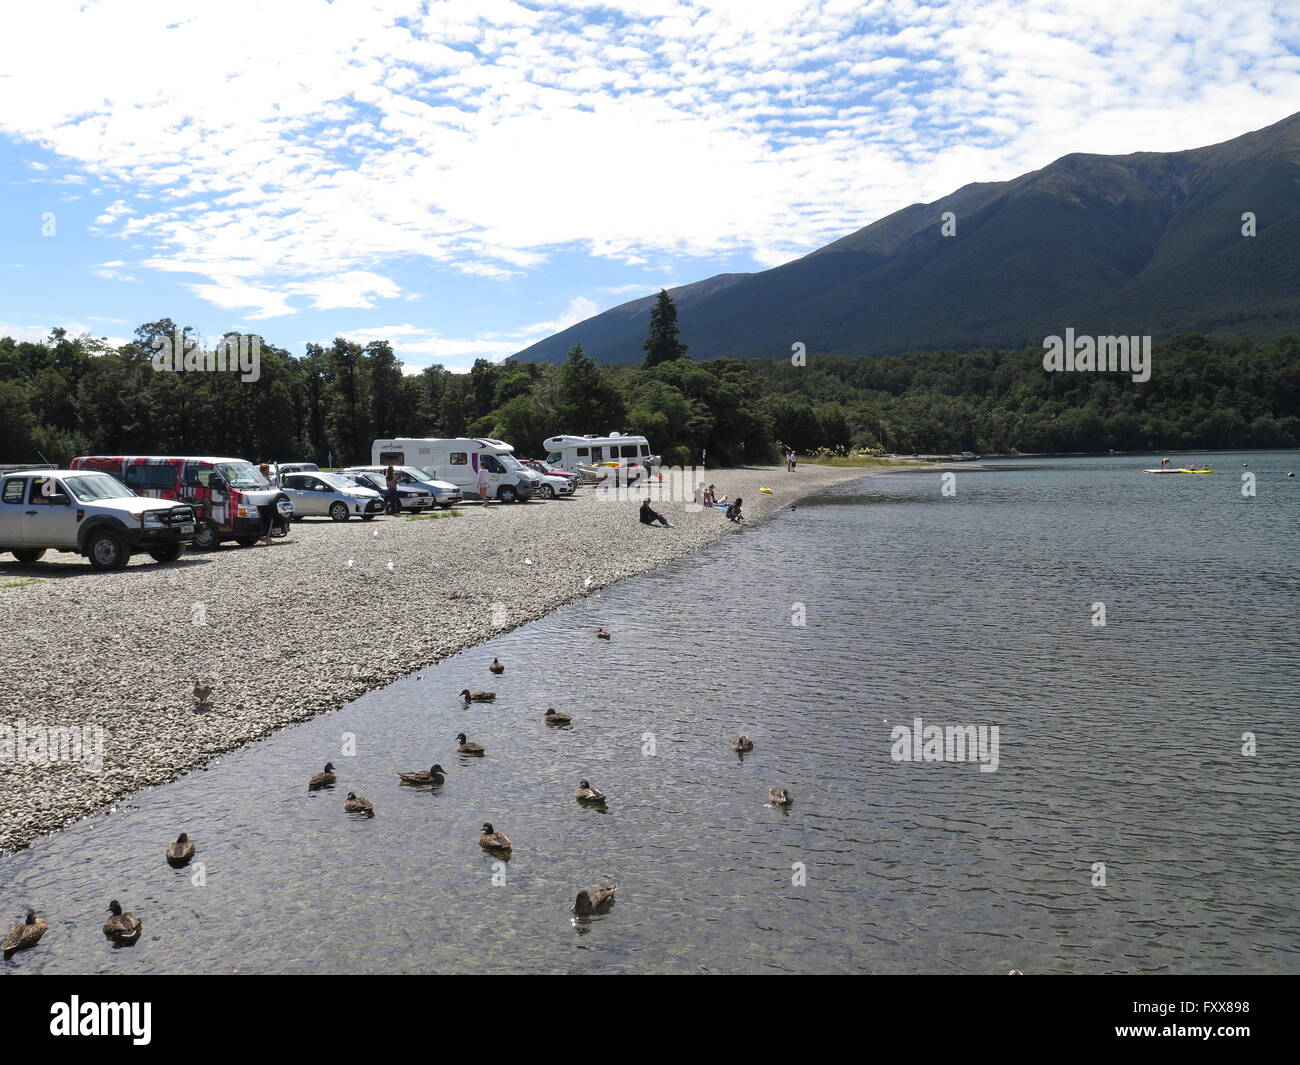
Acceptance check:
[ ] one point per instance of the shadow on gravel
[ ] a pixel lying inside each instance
(79, 567)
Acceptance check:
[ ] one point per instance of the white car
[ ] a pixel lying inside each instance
(91, 514)
(329, 495)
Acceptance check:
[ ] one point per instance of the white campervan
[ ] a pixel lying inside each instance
(463, 461)
(629, 451)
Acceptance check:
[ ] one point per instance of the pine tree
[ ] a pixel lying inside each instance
(662, 344)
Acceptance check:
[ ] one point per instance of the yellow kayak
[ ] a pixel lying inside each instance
(1177, 471)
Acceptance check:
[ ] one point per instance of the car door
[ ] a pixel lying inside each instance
(47, 523)
(305, 501)
(12, 493)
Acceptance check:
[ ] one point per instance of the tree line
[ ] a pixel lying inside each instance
(76, 395)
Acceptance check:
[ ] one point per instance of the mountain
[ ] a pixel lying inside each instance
(1149, 243)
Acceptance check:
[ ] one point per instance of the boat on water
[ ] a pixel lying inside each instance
(1177, 471)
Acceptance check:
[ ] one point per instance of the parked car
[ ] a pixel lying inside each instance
(414, 497)
(282, 469)
(465, 462)
(331, 495)
(545, 469)
(552, 485)
(445, 494)
(90, 514)
(226, 494)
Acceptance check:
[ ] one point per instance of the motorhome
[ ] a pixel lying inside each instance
(225, 493)
(624, 449)
(466, 462)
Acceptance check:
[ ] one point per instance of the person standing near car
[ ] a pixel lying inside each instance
(392, 504)
(266, 511)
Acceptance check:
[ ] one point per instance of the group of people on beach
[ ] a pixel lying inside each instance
(704, 497)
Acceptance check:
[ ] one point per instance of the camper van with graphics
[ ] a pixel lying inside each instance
(225, 493)
(465, 462)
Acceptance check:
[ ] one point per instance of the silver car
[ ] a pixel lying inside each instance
(329, 495)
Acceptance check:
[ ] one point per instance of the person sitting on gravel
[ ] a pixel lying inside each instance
(733, 511)
(649, 516)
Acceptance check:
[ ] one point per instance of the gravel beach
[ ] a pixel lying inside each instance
(293, 629)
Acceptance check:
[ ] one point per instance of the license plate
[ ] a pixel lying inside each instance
(188, 528)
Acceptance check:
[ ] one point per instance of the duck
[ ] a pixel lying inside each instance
(124, 928)
(591, 901)
(780, 796)
(586, 793)
(742, 745)
(24, 936)
(496, 667)
(180, 852)
(202, 694)
(323, 779)
(354, 805)
(433, 778)
(601, 634)
(477, 697)
(465, 747)
(554, 717)
(492, 840)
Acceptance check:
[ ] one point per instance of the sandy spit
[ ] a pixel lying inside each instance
(120, 652)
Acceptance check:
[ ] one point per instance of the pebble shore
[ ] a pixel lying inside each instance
(286, 631)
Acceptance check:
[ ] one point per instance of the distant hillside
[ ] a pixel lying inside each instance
(1142, 243)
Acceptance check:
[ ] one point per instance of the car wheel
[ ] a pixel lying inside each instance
(507, 494)
(339, 511)
(29, 554)
(548, 491)
(206, 537)
(106, 550)
(169, 553)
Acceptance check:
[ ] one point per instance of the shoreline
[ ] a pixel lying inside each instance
(286, 632)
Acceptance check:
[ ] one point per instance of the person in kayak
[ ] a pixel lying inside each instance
(1164, 464)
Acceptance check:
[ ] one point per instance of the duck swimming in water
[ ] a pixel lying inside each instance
(354, 805)
(592, 901)
(180, 852)
(601, 634)
(780, 796)
(554, 717)
(433, 778)
(497, 667)
(465, 747)
(24, 936)
(323, 779)
(477, 697)
(492, 840)
(123, 928)
(743, 745)
(586, 793)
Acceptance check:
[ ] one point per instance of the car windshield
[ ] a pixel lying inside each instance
(242, 475)
(92, 486)
(427, 473)
(510, 462)
(335, 481)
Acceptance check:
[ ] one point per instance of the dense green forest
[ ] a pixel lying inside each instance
(72, 396)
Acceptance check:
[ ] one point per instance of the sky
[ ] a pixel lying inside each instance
(465, 177)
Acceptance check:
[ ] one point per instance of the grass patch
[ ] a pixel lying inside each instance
(21, 582)
(453, 513)
(860, 460)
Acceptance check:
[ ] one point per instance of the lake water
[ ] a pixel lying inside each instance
(1119, 745)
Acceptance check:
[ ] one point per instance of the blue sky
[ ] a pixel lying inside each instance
(465, 177)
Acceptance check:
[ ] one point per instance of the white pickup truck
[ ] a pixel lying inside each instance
(90, 514)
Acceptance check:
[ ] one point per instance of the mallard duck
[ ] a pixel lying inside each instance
(433, 778)
(354, 805)
(180, 852)
(477, 697)
(586, 793)
(591, 901)
(492, 840)
(24, 936)
(742, 745)
(465, 747)
(554, 717)
(601, 634)
(780, 796)
(323, 779)
(124, 928)
(497, 667)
